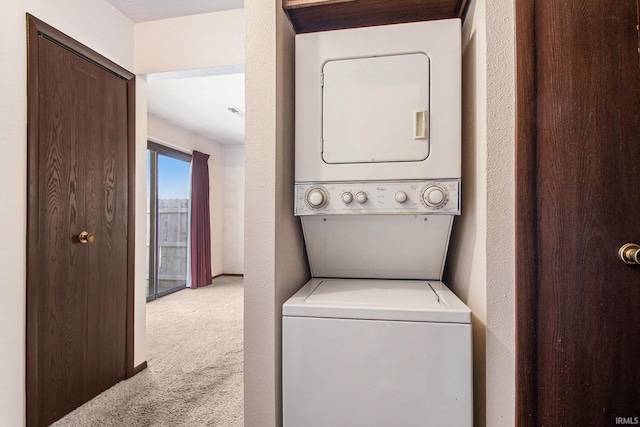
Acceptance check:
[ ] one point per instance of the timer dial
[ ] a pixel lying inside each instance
(361, 197)
(317, 198)
(434, 196)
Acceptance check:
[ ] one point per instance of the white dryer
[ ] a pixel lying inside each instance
(379, 103)
(376, 353)
(378, 113)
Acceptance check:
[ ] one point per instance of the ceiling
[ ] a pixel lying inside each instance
(196, 100)
(201, 104)
(153, 10)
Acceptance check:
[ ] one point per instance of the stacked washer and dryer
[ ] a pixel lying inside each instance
(375, 338)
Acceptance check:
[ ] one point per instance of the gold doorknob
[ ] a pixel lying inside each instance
(86, 237)
(630, 254)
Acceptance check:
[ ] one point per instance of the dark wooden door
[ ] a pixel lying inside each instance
(578, 188)
(77, 292)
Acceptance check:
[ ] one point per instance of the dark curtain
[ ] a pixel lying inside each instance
(200, 221)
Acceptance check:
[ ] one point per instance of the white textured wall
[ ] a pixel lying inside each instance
(292, 270)
(501, 250)
(274, 263)
(481, 263)
(102, 28)
(233, 244)
(163, 132)
(190, 42)
(467, 269)
(13, 211)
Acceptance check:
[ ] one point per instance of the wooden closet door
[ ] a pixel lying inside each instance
(77, 292)
(578, 186)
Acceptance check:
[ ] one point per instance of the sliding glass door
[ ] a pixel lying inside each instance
(167, 220)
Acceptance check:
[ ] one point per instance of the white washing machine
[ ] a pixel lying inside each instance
(375, 338)
(360, 352)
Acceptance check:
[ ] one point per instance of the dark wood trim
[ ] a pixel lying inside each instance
(141, 367)
(35, 29)
(526, 215)
(227, 275)
(464, 5)
(131, 229)
(152, 262)
(292, 4)
(324, 16)
(33, 209)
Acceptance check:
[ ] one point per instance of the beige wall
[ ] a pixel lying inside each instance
(467, 269)
(501, 250)
(13, 172)
(190, 42)
(274, 263)
(101, 27)
(481, 262)
(233, 245)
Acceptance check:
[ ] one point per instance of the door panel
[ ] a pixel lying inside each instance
(84, 152)
(106, 208)
(78, 312)
(62, 259)
(584, 368)
(369, 108)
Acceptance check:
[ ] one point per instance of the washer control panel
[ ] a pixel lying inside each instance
(378, 197)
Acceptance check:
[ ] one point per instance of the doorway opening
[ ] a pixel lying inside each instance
(202, 111)
(168, 200)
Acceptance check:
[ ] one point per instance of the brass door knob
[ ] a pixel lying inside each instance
(86, 237)
(629, 254)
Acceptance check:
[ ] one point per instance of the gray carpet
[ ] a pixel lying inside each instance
(195, 360)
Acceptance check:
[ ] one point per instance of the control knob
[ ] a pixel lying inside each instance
(361, 197)
(434, 196)
(401, 197)
(317, 198)
(347, 197)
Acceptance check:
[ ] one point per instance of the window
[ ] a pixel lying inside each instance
(167, 219)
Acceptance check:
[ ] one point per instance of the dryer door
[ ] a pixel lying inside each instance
(376, 109)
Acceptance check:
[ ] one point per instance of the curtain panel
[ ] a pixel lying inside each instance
(200, 221)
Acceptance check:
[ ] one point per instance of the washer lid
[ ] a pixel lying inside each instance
(401, 300)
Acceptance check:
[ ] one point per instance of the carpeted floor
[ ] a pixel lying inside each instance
(195, 360)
